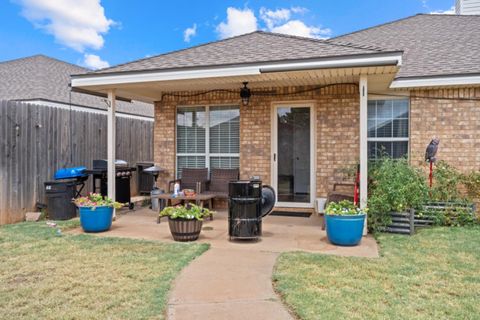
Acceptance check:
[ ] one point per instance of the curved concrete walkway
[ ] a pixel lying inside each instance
(232, 280)
(227, 284)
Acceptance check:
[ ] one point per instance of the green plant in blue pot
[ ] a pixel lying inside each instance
(344, 223)
(96, 212)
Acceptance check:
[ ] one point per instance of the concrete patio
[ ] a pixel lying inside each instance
(280, 234)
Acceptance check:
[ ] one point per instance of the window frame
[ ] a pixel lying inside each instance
(392, 139)
(207, 153)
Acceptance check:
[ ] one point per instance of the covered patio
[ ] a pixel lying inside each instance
(295, 118)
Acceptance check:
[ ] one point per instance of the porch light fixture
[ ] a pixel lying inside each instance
(245, 94)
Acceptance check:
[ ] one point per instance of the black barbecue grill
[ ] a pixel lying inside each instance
(123, 174)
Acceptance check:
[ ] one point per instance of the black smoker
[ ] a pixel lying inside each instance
(248, 203)
(123, 174)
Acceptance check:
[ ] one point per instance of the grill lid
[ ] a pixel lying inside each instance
(103, 164)
(70, 173)
(153, 170)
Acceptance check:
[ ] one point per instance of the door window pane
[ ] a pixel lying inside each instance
(293, 154)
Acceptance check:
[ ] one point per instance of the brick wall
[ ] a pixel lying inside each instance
(455, 122)
(337, 130)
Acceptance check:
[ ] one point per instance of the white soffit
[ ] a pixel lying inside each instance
(436, 82)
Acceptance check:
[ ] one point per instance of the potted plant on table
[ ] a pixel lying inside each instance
(345, 223)
(185, 221)
(96, 212)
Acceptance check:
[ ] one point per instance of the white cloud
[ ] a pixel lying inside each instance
(298, 28)
(448, 11)
(238, 22)
(78, 24)
(93, 61)
(189, 33)
(282, 20)
(299, 10)
(272, 18)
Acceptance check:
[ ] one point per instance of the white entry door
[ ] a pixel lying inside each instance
(293, 156)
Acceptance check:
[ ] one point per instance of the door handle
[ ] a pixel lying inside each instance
(274, 157)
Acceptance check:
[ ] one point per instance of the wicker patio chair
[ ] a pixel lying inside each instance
(219, 179)
(189, 179)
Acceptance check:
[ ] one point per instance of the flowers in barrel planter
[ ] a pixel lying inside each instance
(344, 223)
(96, 212)
(185, 221)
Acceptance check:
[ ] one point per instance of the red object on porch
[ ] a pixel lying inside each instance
(356, 189)
(430, 176)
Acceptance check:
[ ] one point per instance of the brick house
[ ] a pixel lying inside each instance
(314, 106)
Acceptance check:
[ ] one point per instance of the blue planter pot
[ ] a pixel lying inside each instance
(97, 220)
(345, 230)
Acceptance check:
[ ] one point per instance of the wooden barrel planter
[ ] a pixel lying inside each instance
(185, 229)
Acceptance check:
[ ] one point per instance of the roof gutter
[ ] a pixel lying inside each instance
(437, 81)
(387, 59)
(376, 59)
(97, 94)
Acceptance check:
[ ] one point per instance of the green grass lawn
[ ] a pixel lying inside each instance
(432, 275)
(45, 276)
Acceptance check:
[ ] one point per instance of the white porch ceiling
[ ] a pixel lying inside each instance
(380, 78)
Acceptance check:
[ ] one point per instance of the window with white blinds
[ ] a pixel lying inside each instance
(388, 128)
(219, 125)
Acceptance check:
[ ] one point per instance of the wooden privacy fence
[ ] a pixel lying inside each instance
(35, 141)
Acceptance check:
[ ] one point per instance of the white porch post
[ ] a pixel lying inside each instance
(111, 145)
(363, 144)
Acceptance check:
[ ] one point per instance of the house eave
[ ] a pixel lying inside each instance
(436, 81)
(376, 59)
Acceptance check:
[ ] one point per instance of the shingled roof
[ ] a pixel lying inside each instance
(255, 47)
(43, 78)
(433, 45)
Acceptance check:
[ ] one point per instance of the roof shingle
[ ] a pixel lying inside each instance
(42, 77)
(258, 46)
(433, 45)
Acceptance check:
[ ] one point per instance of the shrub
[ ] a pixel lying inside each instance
(471, 182)
(451, 214)
(394, 186)
(446, 184)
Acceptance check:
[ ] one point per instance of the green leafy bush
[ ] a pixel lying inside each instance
(343, 208)
(471, 182)
(450, 214)
(446, 183)
(188, 211)
(394, 186)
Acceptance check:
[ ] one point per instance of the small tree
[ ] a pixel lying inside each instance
(394, 186)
